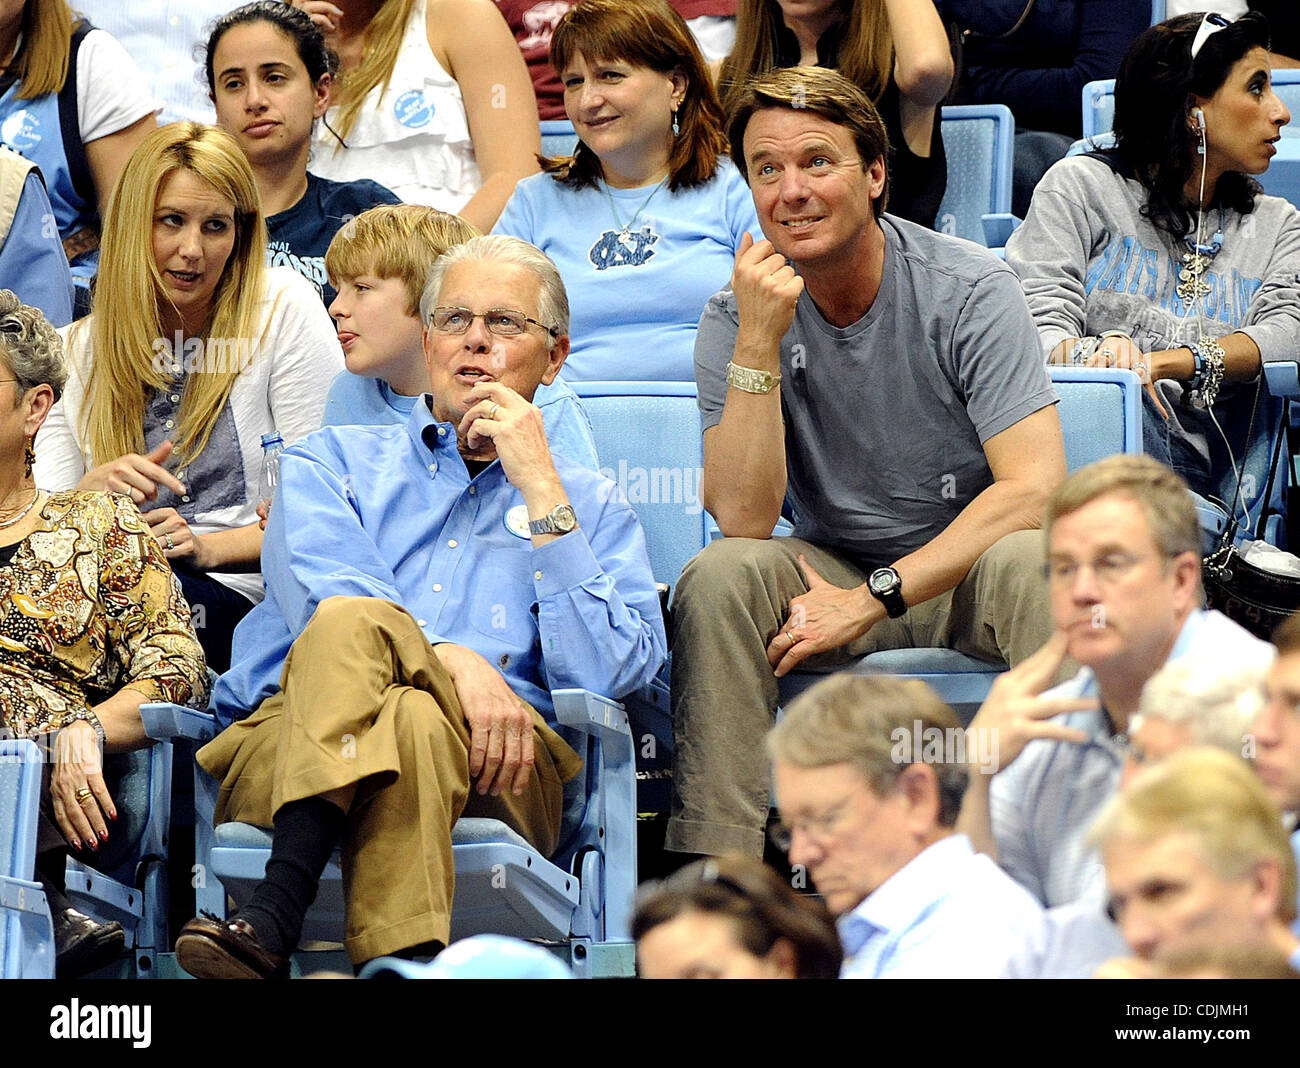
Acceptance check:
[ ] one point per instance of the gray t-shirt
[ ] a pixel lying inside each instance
(885, 419)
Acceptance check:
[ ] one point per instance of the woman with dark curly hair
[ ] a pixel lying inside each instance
(92, 625)
(1163, 254)
(732, 917)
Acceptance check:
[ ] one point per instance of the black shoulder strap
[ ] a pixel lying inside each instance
(78, 165)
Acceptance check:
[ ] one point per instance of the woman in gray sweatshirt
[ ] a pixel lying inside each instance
(1168, 241)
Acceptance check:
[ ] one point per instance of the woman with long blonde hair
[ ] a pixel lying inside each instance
(434, 98)
(896, 51)
(194, 351)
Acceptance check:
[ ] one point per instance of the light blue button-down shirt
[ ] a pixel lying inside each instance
(949, 913)
(1042, 806)
(391, 512)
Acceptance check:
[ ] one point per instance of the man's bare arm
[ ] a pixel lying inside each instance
(743, 484)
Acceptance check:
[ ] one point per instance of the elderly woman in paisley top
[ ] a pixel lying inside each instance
(92, 625)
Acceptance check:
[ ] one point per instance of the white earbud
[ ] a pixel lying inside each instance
(1200, 119)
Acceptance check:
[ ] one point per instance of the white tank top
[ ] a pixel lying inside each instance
(415, 139)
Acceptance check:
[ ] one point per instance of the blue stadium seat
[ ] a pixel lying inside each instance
(134, 890)
(979, 141)
(1100, 414)
(1286, 83)
(26, 932)
(558, 137)
(1098, 107)
(1157, 11)
(581, 896)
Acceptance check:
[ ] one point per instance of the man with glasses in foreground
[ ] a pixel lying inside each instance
(428, 584)
(869, 774)
(1124, 572)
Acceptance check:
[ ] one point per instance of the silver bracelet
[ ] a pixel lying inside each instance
(1209, 353)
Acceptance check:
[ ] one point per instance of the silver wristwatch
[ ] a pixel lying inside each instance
(750, 380)
(559, 520)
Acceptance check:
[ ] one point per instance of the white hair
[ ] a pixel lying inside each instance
(552, 300)
(1216, 705)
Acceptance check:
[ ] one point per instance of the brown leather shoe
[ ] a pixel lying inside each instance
(209, 948)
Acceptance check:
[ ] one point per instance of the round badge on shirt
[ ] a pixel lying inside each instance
(413, 109)
(517, 521)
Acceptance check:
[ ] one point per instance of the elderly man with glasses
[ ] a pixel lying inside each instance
(869, 774)
(1124, 571)
(428, 584)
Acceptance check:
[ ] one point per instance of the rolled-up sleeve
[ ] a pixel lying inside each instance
(597, 606)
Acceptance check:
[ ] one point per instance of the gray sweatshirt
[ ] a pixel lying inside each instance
(1089, 262)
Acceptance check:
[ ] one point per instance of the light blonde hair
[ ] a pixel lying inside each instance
(1217, 800)
(1161, 495)
(853, 719)
(42, 62)
(383, 42)
(395, 241)
(126, 326)
(866, 53)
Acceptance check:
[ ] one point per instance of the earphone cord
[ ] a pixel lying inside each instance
(1209, 409)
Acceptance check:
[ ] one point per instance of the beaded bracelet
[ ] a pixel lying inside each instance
(1208, 357)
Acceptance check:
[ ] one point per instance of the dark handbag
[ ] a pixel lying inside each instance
(1244, 592)
(1247, 594)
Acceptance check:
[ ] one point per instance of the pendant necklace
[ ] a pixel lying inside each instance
(625, 228)
(1198, 257)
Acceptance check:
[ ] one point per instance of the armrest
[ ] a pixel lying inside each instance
(998, 226)
(1282, 378)
(22, 895)
(585, 711)
(163, 721)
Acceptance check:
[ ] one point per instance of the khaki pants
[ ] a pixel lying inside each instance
(730, 602)
(365, 701)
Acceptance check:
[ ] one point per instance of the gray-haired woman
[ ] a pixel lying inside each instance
(92, 625)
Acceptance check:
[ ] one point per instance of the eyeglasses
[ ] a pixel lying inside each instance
(1108, 569)
(1210, 25)
(503, 322)
(819, 829)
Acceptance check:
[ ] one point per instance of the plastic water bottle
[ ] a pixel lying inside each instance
(272, 446)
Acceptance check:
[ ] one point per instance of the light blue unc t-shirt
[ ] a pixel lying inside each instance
(635, 298)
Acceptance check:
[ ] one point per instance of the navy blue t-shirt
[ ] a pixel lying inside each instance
(298, 237)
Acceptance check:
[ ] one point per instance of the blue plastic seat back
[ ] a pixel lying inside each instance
(1286, 83)
(20, 783)
(558, 137)
(1100, 410)
(979, 140)
(648, 440)
(1098, 107)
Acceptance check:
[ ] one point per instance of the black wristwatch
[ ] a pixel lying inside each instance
(886, 586)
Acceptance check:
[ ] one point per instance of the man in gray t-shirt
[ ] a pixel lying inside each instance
(886, 382)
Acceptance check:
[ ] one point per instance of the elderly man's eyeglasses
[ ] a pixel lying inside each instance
(1210, 25)
(820, 828)
(503, 322)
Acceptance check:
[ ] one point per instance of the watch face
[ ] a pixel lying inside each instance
(881, 581)
(564, 518)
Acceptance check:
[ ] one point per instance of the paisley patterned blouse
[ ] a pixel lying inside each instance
(89, 606)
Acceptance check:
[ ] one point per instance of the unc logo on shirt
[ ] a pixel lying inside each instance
(21, 131)
(623, 248)
(413, 110)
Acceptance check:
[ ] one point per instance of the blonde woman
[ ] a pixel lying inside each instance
(434, 98)
(195, 349)
(895, 51)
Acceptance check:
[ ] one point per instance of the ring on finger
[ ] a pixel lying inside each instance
(790, 634)
(170, 544)
(82, 794)
(492, 412)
